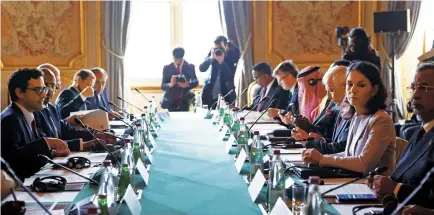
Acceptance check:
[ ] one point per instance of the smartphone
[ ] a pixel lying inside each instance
(355, 197)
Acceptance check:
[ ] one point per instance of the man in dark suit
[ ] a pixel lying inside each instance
(418, 157)
(223, 59)
(286, 76)
(53, 126)
(74, 98)
(271, 94)
(21, 139)
(177, 95)
(100, 97)
(329, 129)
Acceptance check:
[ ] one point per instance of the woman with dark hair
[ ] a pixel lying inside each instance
(360, 48)
(371, 137)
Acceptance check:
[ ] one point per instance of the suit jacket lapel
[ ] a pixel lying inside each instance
(417, 152)
(23, 121)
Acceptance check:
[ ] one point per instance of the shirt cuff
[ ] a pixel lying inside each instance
(83, 97)
(81, 144)
(396, 190)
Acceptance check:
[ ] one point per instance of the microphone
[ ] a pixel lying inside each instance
(79, 122)
(120, 98)
(263, 112)
(242, 108)
(141, 94)
(105, 109)
(45, 159)
(418, 188)
(222, 97)
(121, 109)
(242, 92)
(291, 141)
(377, 171)
(254, 107)
(20, 184)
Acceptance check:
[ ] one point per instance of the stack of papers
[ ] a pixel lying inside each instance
(355, 188)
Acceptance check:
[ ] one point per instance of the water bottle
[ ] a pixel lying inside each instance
(242, 137)
(227, 119)
(219, 114)
(137, 144)
(155, 112)
(235, 126)
(126, 170)
(314, 204)
(276, 181)
(106, 197)
(256, 156)
(198, 103)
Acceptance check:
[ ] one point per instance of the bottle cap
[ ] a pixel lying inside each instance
(227, 103)
(277, 152)
(241, 118)
(256, 133)
(314, 180)
(106, 163)
(138, 124)
(143, 114)
(146, 107)
(127, 140)
(92, 210)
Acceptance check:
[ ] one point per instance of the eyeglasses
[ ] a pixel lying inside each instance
(51, 86)
(39, 90)
(256, 78)
(278, 81)
(421, 87)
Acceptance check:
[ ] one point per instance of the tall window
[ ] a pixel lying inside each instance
(158, 26)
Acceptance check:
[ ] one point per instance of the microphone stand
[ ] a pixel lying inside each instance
(254, 107)
(130, 104)
(79, 122)
(121, 109)
(107, 111)
(20, 183)
(141, 94)
(45, 159)
(238, 96)
(263, 112)
(418, 188)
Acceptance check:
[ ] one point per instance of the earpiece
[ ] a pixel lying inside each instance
(54, 183)
(78, 162)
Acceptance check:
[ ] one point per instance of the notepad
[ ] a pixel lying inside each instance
(355, 188)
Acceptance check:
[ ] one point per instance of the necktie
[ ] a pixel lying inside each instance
(34, 129)
(262, 96)
(178, 69)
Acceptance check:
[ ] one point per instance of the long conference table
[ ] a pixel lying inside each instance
(191, 173)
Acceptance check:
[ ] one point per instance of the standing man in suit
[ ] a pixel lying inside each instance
(100, 97)
(418, 157)
(74, 98)
(179, 78)
(270, 89)
(21, 140)
(53, 126)
(223, 59)
(286, 76)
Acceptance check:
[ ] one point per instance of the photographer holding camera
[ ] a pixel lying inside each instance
(179, 78)
(223, 59)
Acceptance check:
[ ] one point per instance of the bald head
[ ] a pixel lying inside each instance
(50, 83)
(334, 81)
(101, 78)
(54, 70)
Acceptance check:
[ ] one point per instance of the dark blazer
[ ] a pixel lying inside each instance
(325, 122)
(338, 141)
(369, 57)
(69, 101)
(226, 81)
(171, 95)
(49, 121)
(93, 103)
(293, 101)
(276, 92)
(19, 147)
(417, 160)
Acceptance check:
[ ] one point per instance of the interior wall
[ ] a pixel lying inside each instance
(64, 33)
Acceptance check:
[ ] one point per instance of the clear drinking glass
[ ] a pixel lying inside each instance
(298, 198)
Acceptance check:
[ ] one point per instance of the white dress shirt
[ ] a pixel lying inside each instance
(27, 114)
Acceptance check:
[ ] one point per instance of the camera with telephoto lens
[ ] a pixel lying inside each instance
(218, 52)
(180, 78)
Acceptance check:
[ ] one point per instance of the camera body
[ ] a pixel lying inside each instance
(342, 35)
(180, 78)
(218, 52)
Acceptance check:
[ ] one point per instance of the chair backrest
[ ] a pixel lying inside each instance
(252, 87)
(401, 144)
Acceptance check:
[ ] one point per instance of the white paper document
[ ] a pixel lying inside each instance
(97, 119)
(355, 188)
(291, 157)
(44, 197)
